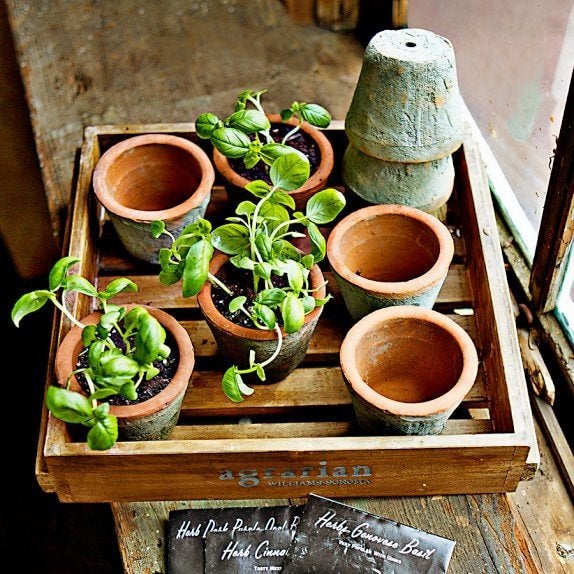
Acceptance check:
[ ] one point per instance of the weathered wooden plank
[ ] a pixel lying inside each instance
(243, 430)
(482, 526)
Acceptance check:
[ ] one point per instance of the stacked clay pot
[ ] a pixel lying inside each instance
(405, 121)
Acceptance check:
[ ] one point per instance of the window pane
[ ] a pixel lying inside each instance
(514, 63)
(565, 303)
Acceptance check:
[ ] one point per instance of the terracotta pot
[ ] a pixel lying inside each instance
(407, 369)
(152, 419)
(424, 185)
(407, 106)
(235, 183)
(234, 342)
(386, 255)
(153, 177)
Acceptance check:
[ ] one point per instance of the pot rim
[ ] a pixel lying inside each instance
(207, 306)
(316, 181)
(201, 193)
(433, 276)
(444, 402)
(71, 345)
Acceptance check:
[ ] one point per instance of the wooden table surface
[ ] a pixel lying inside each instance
(86, 63)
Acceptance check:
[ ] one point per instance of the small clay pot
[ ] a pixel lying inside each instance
(407, 369)
(235, 183)
(153, 177)
(386, 255)
(234, 342)
(407, 106)
(424, 185)
(155, 418)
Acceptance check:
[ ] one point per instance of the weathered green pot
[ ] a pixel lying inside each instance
(234, 342)
(407, 106)
(407, 369)
(155, 418)
(387, 255)
(153, 177)
(424, 185)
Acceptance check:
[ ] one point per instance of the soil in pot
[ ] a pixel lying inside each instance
(147, 388)
(236, 340)
(299, 141)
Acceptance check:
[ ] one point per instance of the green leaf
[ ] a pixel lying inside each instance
(293, 313)
(262, 270)
(271, 151)
(252, 156)
(149, 339)
(308, 261)
(118, 367)
(68, 406)
(128, 389)
(274, 214)
(79, 284)
(242, 262)
(198, 228)
(170, 273)
(230, 142)
(59, 271)
(237, 303)
(258, 187)
(286, 250)
(104, 434)
(263, 245)
(248, 121)
(157, 228)
(318, 242)
(30, 302)
(265, 315)
(205, 124)
(324, 206)
(245, 208)
(260, 374)
(230, 385)
(308, 303)
(271, 297)
(117, 286)
(316, 115)
(283, 198)
(196, 267)
(295, 275)
(230, 238)
(289, 172)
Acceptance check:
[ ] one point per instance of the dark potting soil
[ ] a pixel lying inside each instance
(240, 282)
(300, 141)
(147, 389)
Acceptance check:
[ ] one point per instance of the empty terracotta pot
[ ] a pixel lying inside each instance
(407, 369)
(386, 255)
(153, 177)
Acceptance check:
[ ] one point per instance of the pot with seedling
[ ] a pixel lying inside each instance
(246, 143)
(122, 371)
(261, 296)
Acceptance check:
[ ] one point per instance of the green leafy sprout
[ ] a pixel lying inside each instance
(111, 369)
(258, 240)
(246, 132)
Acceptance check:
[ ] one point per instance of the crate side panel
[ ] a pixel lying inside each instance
(334, 474)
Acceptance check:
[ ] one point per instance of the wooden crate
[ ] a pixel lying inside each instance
(297, 436)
